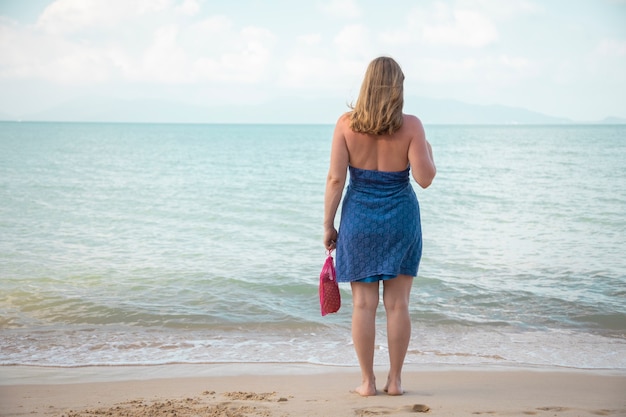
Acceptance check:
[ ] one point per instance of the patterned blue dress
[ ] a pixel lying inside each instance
(380, 233)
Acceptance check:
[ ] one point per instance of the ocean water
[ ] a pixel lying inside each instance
(154, 244)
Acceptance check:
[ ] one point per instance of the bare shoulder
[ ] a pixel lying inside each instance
(413, 125)
(342, 127)
(412, 121)
(344, 120)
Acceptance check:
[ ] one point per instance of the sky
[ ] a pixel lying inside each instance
(563, 58)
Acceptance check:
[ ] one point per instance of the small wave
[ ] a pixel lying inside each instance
(327, 344)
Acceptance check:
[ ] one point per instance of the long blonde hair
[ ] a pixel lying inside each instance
(378, 109)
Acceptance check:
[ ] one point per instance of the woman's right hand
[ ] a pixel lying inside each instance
(330, 238)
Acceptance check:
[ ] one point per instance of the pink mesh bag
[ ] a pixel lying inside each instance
(330, 298)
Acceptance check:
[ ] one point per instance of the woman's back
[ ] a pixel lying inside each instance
(390, 152)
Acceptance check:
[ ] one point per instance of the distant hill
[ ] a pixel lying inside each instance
(283, 110)
(612, 121)
(435, 111)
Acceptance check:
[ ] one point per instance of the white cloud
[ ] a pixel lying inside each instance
(341, 8)
(433, 70)
(305, 71)
(613, 48)
(188, 8)
(211, 26)
(443, 25)
(353, 41)
(315, 68)
(164, 61)
(460, 28)
(306, 65)
(309, 39)
(515, 63)
(31, 55)
(246, 60)
(251, 58)
(501, 10)
(606, 61)
(396, 37)
(70, 44)
(488, 70)
(241, 56)
(66, 16)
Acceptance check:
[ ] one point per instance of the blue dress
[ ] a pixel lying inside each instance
(380, 233)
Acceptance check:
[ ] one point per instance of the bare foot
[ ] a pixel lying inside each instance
(393, 387)
(366, 389)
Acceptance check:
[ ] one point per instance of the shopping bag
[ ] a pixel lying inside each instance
(330, 297)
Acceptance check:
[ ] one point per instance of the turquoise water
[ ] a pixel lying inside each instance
(146, 244)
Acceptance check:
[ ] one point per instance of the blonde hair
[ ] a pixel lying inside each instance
(378, 109)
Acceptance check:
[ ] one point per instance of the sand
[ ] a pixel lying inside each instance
(283, 390)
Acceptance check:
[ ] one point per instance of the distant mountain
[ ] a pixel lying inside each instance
(283, 110)
(441, 111)
(612, 121)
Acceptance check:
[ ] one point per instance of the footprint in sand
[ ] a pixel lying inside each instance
(373, 411)
(420, 408)
(605, 412)
(553, 408)
(377, 411)
(251, 396)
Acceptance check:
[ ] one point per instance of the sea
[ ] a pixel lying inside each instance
(152, 244)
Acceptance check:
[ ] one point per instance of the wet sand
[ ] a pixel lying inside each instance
(284, 390)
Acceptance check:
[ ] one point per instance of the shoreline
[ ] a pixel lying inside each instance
(299, 389)
(53, 374)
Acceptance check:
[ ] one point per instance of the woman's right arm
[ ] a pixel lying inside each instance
(420, 154)
(335, 182)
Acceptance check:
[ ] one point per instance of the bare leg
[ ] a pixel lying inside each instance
(396, 300)
(365, 302)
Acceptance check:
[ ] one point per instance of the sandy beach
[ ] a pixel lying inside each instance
(282, 390)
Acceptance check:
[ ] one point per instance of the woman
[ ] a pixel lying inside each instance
(379, 236)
